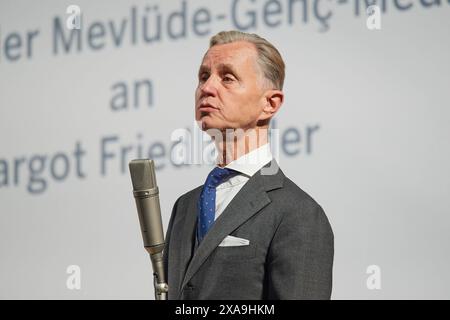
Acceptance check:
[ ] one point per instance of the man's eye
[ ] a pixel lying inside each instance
(228, 78)
(203, 77)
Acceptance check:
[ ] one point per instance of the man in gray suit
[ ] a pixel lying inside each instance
(249, 232)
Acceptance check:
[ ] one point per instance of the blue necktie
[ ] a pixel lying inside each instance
(207, 200)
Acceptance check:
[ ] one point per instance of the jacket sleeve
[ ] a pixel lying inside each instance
(300, 258)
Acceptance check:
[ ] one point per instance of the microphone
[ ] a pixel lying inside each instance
(146, 194)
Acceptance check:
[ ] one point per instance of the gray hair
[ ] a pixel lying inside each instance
(269, 59)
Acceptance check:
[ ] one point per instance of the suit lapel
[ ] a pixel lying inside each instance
(247, 202)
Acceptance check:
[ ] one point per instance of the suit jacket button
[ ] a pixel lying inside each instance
(189, 286)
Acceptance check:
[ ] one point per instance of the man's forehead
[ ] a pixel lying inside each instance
(230, 53)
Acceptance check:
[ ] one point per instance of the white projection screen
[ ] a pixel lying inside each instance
(364, 129)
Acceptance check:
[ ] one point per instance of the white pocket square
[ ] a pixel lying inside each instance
(231, 241)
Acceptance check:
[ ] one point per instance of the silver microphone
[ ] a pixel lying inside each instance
(146, 194)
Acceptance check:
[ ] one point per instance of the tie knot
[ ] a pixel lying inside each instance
(219, 175)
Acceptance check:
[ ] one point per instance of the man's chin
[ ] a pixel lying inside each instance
(206, 123)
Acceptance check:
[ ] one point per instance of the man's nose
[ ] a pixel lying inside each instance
(209, 87)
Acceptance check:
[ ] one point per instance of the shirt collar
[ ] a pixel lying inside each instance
(251, 162)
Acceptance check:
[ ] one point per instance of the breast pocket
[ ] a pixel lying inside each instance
(236, 252)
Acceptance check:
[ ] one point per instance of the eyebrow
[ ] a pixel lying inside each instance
(222, 67)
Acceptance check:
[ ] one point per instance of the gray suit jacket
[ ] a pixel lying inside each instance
(291, 249)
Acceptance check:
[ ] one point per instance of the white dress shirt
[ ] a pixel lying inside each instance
(247, 165)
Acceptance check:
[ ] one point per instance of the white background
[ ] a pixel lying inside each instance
(379, 165)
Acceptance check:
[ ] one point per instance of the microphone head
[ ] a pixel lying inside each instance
(142, 173)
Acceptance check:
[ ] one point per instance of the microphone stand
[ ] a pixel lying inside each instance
(159, 281)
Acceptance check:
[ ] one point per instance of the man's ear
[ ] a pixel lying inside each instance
(273, 100)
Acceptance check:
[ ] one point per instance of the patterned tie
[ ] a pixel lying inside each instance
(207, 200)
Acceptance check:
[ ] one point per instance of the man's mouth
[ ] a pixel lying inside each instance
(206, 107)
